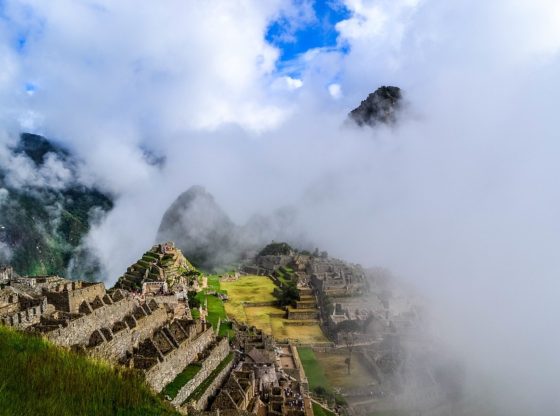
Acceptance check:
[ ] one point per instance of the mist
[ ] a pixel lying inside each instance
(459, 198)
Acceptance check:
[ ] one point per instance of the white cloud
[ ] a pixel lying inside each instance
(293, 83)
(335, 90)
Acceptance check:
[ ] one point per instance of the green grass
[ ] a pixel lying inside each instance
(216, 312)
(214, 282)
(38, 378)
(226, 330)
(320, 411)
(313, 369)
(182, 378)
(215, 307)
(199, 391)
(250, 289)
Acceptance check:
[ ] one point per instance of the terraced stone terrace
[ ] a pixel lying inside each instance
(162, 263)
(251, 300)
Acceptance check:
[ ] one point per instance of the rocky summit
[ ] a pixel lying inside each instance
(380, 106)
(199, 227)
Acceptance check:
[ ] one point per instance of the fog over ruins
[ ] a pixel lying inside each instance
(288, 207)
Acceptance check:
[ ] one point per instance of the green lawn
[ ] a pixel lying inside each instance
(182, 378)
(250, 289)
(320, 411)
(313, 369)
(214, 282)
(216, 312)
(38, 378)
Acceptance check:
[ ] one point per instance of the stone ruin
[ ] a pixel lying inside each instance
(332, 276)
(163, 263)
(336, 277)
(6, 274)
(20, 310)
(153, 332)
(267, 380)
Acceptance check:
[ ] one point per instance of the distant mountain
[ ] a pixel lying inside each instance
(201, 229)
(44, 209)
(210, 239)
(381, 106)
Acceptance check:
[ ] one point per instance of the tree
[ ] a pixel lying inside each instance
(287, 294)
(193, 301)
(349, 341)
(346, 330)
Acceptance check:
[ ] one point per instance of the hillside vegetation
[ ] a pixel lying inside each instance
(43, 221)
(38, 378)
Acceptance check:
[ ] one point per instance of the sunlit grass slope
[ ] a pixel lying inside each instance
(38, 378)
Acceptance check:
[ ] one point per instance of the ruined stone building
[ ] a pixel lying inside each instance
(268, 380)
(6, 274)
(336, 277)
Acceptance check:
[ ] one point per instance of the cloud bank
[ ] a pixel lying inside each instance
(461, 198)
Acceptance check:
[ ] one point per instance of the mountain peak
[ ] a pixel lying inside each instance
(380, 106)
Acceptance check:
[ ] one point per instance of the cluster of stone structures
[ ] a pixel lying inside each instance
(331, 276)
(163, 264)
(266, 379)
(357, 307)
(153, 332)
(317, 277)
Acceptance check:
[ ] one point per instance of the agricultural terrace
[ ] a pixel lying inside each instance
(246, 297)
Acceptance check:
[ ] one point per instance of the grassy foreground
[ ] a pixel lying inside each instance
(38, 378)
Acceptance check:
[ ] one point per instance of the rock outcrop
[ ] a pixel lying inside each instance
(381, 106)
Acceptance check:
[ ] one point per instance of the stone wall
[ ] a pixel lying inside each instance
(259, 304)
(164, 372)
(299, 367)
(27, 317)
(79, 330)
(69, 296)
(6, 273)
(303, 314)
(209, 363)
(87, 293)
(202, 403)
(126, 335)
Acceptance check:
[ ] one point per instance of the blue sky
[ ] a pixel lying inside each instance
(318, 32)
